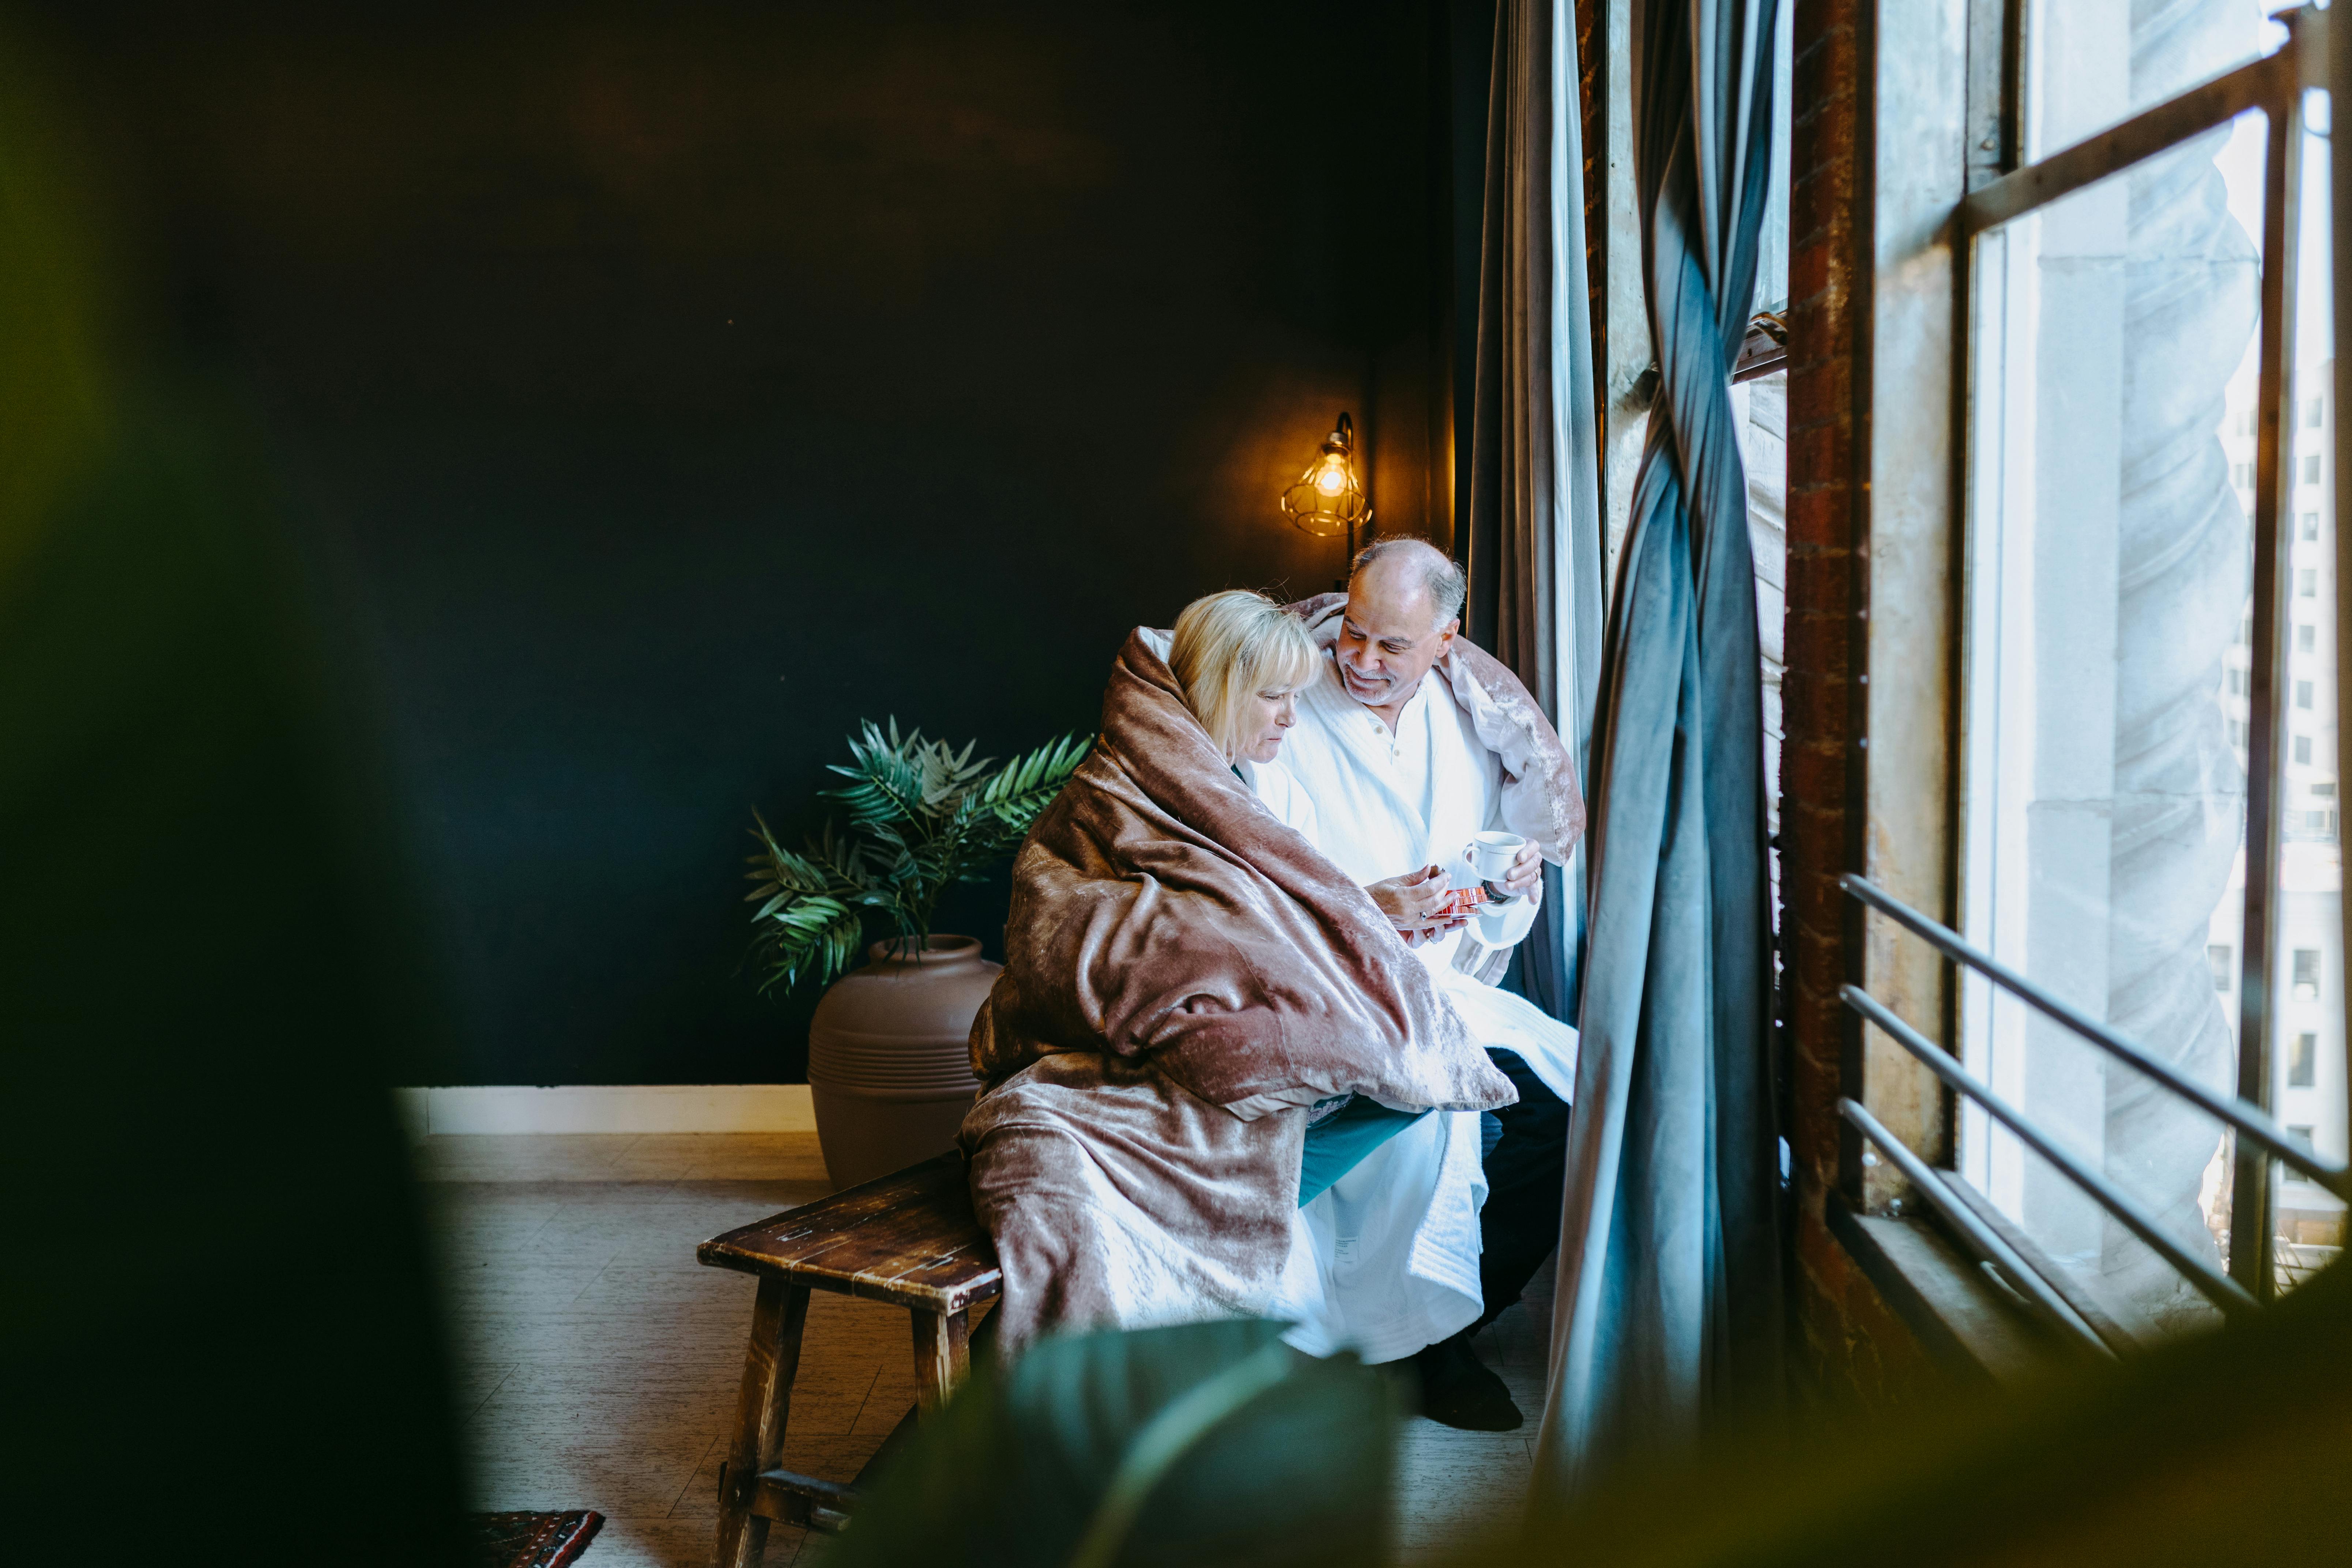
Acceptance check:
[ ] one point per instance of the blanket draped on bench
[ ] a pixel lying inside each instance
(1183, 977)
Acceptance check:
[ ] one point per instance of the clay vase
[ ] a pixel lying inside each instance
(889, 1056)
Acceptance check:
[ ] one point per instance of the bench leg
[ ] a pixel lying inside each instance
(943, 1354)
(768, 1366)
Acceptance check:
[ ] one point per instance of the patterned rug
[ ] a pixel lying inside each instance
(533, 1539)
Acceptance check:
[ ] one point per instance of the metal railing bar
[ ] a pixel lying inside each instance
(2250, 1194)
(2259, 84)
(2021, 1277)
(2308, 26)
(2250, 1120)
(2071, 1289)
(2219, 1289)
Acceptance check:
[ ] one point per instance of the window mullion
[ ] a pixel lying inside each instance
(2250, 1201)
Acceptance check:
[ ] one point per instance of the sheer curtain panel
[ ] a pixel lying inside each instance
(1534, 522)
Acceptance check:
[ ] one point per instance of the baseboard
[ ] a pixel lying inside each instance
(608, 1108)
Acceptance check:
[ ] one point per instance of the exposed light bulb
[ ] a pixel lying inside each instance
(1327, 500)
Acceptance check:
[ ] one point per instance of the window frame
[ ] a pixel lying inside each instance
(1920, 490)
(2274, 84)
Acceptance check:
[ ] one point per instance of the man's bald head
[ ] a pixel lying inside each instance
(1400, 569)
(1404, 601)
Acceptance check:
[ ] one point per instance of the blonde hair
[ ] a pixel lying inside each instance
(1230, 646)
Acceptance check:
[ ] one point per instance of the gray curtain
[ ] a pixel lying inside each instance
(1534, 522)
(1669, 1303)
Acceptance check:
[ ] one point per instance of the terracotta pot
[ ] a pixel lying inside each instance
(889, 1056)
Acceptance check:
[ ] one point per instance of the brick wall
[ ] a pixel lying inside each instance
(1592, 103)
(1850, 1342)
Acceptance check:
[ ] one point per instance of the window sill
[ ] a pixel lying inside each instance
(1963, 1320)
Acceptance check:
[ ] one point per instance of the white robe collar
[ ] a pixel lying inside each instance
(1366, 737)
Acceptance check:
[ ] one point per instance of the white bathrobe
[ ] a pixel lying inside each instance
(1385, 804)
(1386, 1260)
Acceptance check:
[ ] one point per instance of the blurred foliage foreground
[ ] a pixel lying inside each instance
(1213, 1443)
(1208, 1443)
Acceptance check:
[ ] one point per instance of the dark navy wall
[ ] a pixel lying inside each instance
(667, 387)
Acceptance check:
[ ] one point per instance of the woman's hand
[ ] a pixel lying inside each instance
(1416, 905)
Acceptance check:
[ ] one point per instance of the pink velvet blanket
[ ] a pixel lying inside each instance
(1183, 977)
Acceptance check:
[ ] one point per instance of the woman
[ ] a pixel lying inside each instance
(1389, 1196)
(1240, 660)
(1186, 979)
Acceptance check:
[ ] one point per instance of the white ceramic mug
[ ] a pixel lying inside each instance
(1492, 854)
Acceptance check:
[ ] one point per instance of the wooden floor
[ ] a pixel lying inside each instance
(599, 1361)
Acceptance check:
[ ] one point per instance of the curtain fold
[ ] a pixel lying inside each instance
(1669, 1302)
(1534, 523)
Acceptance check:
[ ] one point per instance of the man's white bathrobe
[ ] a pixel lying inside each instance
(1394, 1243)
(1386, 804)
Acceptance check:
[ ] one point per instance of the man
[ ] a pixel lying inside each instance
(1405, 758)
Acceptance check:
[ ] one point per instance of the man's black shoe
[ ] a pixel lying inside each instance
(1458, 1390)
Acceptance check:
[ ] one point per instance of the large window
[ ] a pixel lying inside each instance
(2147, 822)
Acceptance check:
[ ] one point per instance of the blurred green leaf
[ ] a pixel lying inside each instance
(1212, 1442)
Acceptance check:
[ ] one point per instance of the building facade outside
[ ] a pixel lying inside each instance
(2307, 1085)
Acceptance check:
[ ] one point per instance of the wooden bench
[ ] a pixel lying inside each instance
(910, 1240)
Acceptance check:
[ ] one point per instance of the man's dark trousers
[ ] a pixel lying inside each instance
(1526, 1171)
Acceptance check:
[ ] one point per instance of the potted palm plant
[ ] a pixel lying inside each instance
(889, 1066)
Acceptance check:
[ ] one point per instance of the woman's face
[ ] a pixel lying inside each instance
(1265, 718)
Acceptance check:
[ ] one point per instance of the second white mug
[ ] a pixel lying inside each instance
(1492, 853)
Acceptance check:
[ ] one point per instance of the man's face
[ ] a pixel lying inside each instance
(1386, 640)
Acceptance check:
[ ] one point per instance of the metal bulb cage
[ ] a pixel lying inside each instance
(1341, 510)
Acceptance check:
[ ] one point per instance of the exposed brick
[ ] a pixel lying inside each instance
(1860, 1352)
(1816, 903)
(1820, 515)
(1806, 176)
(1817, 464)
(1821, 395)
(1820, 943)
(1813, 1090)
(1821, 72)
(1814, 914)
(1809, 273)
(1813, 772)
(1816, 827)
(1819, 184)
(1822, 580)
(1856, 1347)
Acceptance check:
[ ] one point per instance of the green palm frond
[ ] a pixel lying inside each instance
(776, 869)
(945, 771)
(815, 938)
(886, 782)
(923, 816)
(1028, 784)
(808, 924)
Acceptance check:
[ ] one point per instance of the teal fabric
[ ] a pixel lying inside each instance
(1337, 1144)
(1668, 1313)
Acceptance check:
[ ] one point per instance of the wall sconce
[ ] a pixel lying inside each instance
(1328, 502)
